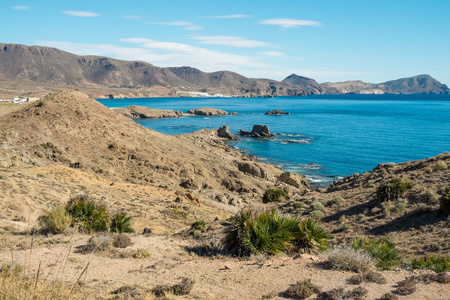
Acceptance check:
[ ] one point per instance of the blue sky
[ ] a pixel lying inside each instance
(328, 40)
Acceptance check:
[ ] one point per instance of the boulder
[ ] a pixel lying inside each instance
(224, 132)
(255, 169)
(277, 112)
(257, 132)
(294, 179)
(207, 112)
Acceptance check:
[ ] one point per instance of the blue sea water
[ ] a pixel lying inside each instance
(327, 137)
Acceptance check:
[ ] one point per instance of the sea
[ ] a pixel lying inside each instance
(327, 137)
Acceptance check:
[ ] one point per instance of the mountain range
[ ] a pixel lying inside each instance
(36, 70)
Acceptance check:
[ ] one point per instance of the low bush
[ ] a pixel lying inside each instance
(358, 293)
(302, 290)
(441, 165)
(122, 241)
(199, 225)
(87, 214)
(316, 205)
(406, 287)
(431, 262)
(445, 202)
(369, 276)
(121, 223)
(141, 253)
(382, 250)
(274, 195)
(317, 215)
(347, 259)
(430, 197)
(393, 189)
(389, 296)
(11, 269)
(269, 232)
(57, 219)
(299, 205)
(184, 288)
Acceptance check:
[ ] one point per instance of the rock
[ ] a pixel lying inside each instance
(140, 112)
(294, 179)
(277, 112)
(207, 112)
(257, 131)
(189, 184)
(255, 170)
(224, 132)
(191, 197)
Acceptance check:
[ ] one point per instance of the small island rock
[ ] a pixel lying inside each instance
(224, 132)
(257, 131)
(207, 112)
(277, 112)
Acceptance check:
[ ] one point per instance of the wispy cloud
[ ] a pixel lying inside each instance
(165, 54)
(132, 17)
(230, 17)
(231, 41)
(185, 25)
(81, 13)
(290, 23)
(271, 53)
(22, 7)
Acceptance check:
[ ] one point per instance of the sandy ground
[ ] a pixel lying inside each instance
(215, 278)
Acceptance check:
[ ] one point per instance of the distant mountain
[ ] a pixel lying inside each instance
(421, 84)
(35, 70)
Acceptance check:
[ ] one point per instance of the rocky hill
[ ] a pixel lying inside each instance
(35, 71)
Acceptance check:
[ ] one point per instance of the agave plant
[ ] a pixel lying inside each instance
(121, 223)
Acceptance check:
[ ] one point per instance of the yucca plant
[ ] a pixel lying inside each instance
(122, 223)
(57, 219)
(88, 215)
(438, 264)
(312, 236)
(382, 250)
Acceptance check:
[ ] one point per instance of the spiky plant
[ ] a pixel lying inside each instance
(57, 219)
(312, 236)
(88, 215)
(382, 250)
(122, 223)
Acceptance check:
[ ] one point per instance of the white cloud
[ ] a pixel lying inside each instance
(231, 41)
(290, 23)
(230, 17)
(132, 17)
(164, 54)
(80, 13)
(185, 25)
(271, 53)
(21, 7)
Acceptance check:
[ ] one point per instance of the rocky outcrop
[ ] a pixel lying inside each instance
(294, 179)
(141, 112)
(277, 112)
(258, 131)
(256, 169)
(224, 132)
(208, 112)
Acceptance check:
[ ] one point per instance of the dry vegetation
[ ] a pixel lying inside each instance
(181, 211)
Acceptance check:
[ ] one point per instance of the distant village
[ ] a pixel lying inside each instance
(19, 100)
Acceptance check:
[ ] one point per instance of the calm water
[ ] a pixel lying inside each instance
(327, 137)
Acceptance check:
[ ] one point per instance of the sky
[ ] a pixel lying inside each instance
(328, 40)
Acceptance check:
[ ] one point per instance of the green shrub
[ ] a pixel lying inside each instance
(431, 262)
(87, 214)
(199, 225)
(393, 189)
(335, 200)
(317, 215)
(121, 223)
(299, 205)
(11, 269)
(312, 236)
(57, 219)
(269, 232)
(347, 259)
(316, 205)
(382, 250)
(141, 253)
(430, 197)
(274, 195)
(445, 202)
